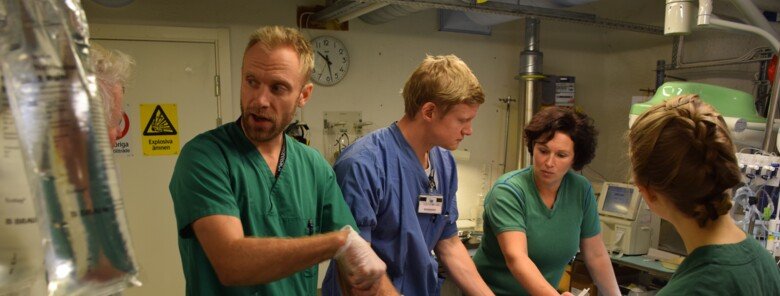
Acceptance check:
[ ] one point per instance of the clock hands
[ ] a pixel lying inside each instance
(327, 61)
(320, 72)
(325, 48)
(329, 72)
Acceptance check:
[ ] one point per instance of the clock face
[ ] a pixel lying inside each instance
(331, 60)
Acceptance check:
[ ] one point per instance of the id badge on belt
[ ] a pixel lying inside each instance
(430, 204)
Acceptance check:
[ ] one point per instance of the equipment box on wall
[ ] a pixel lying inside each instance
(558, 91)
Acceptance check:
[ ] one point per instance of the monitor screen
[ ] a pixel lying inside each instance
(617, 200)
(669, 239)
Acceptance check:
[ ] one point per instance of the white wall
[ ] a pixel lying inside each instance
(382, 58)
(610, 66)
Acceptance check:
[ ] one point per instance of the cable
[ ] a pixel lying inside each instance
(300, 20)
(341, 145)
(741, 197)
(768, 197)
(762, 152)
(774, 193)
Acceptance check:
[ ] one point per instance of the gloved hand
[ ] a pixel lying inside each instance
(361, 266)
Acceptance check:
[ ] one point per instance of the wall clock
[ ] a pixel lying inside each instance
(331, 60)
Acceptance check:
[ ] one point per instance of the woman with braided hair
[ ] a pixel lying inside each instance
(684, 164)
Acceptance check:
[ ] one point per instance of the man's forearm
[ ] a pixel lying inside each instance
(251, 261)
(461, 268)
(384, 287)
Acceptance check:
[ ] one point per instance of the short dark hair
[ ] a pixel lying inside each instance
(577, 125)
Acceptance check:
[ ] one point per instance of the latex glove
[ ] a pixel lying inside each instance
(358, 261)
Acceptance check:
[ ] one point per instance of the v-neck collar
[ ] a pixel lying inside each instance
(549, 212)
(250, 150)
(408, 152)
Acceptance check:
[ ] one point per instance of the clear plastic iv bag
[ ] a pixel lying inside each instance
(65, 154)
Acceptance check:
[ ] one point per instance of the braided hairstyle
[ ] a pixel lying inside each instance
(681, 148)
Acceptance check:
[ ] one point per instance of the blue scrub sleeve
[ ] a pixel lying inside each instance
(505, 209)
(590, 216)
(451, 228)
(200, 186)
(361, 191)
(335, 213)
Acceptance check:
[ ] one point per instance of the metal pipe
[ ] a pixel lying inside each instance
(498, 7)
(508, 101)
(531, 34)
(524, 157)
(706, 18)
(757, 54)
(531, 84)
(506, 134)
(755, 17)
(757, 126)
(531, 57)
(660, 73)
(705, 11)
(342, 11)
(763, 89)
(358, 12)
(771, 114)
(716, 22)
(530, 72)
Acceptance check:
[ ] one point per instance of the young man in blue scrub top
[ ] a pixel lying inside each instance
(257, 210)
(400, 182)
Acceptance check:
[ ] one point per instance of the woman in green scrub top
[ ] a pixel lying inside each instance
(685, 166)
(538, 217)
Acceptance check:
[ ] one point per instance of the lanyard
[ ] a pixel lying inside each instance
(282, 153)
(431, 179)
(280, 163)
(282, 158)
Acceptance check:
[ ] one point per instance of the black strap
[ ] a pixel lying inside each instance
(282, 158)
(431, 178)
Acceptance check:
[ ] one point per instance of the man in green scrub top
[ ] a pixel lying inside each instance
(257, 210)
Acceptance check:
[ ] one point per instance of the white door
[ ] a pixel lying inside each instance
(166, 72)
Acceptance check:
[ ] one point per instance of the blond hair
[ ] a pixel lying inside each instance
(275, 36)
(444, 80)
(681, 148)
(112, 67)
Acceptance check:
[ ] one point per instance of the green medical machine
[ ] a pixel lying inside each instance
(736, 107)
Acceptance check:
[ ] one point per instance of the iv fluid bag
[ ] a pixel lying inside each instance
(66, 157)
(21, 251)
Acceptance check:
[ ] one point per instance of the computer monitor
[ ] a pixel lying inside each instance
(665, 237)
(619, 200)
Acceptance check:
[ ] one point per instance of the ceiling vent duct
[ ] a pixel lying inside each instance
(484, 14)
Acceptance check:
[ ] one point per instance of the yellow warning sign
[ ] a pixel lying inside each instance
(159, 129)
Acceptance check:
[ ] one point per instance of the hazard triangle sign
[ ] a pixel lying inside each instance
(160, 135)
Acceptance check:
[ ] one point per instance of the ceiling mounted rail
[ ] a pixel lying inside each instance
(346, 9)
